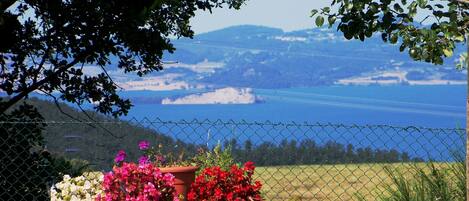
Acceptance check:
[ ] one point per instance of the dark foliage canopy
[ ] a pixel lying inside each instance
(428, 29)
(45, 45)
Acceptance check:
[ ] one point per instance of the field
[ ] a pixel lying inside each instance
(327, 182)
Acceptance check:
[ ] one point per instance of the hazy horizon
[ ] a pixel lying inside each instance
(288, 16)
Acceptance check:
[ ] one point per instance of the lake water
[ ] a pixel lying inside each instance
(419, 106)
(427, 106)
(403, 106)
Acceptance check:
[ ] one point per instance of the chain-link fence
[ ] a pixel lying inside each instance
(295, 161)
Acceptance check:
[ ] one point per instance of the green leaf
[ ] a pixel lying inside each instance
(448, 52)
(459, 38)
(313, 12)
(368, 33)
(374, 8)
(413, 53)
(319, 21)
(452, 8)
(398, 8)
(412, 9)
(422, 3)
(413, 5)
(331, 20)
(326, 9)
(393, 38)
(438, 60)
(402, 47)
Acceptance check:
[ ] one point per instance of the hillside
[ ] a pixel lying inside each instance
(98, 139)
(262, 57)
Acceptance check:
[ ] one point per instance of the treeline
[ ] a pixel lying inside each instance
(309, 152)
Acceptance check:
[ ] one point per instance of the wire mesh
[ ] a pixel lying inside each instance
(295, 161)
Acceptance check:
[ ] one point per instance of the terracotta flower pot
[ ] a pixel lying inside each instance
(184, 177)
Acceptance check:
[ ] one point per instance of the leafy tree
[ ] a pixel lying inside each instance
(398, 23)
(46, 44)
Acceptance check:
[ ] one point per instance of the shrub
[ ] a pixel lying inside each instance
(429, 182)
(84, 187)
(72, 167)
(217, 157)
(26, 169)
(216, 184)
(138, 182)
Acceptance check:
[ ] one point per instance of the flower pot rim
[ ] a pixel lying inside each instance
(179, 169)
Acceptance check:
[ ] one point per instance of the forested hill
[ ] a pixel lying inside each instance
(95, 137)
(98, 141)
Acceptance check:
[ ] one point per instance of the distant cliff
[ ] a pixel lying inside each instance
(227, 95)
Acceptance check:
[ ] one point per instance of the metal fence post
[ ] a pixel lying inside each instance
(467, 121)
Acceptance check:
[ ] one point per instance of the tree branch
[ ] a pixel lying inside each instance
(93, 120)
(463, 1)
(110, 78)
(60, 108)
(12, 101)
(77, 118)
(5, 4)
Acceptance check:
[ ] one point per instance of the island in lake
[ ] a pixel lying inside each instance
(227, 95)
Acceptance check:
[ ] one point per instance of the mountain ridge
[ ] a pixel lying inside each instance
(265, 57)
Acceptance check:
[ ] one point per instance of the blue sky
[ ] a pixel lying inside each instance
(285, 14)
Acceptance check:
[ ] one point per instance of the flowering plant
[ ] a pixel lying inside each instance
(216, 157)
(133, 182)
(85, 187)
(218, 185)
(155, 155)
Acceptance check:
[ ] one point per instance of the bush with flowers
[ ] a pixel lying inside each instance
(215, 184)
(84, 187)
(144, 181)
(139, 182)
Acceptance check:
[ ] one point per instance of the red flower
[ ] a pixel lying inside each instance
(214, 184)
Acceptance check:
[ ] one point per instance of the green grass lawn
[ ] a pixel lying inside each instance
(326, 182)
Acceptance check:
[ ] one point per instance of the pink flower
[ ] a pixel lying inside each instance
(120, 156)
(160, 159)
(134, 182)
(143, 160)
(143, 145)
(169, 178)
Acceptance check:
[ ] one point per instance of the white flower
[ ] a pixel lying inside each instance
(84, 187)
(66, 177)
(87, 185)
(74, 198)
